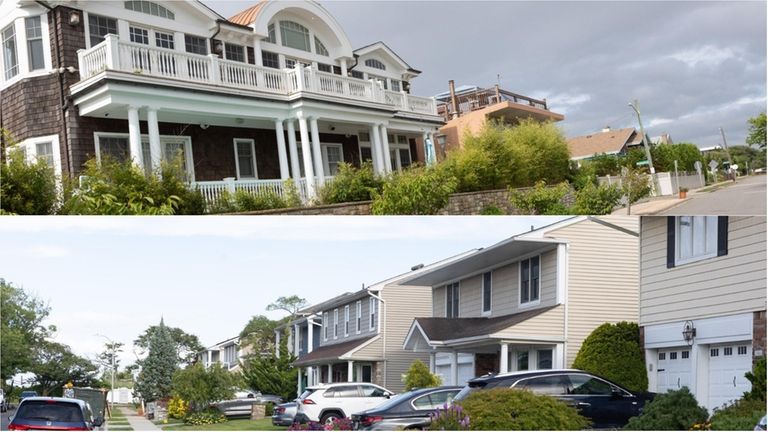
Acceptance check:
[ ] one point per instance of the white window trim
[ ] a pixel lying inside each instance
(482, 294)
(253, 157)
(22, 56)
(529, 303)
(346, 320)
(458, 304)
(359, 317)
(30, 149)
(336, 323)
(680, 261)
(371, 314)
(326, 324)
(190, 162)
(324, 151)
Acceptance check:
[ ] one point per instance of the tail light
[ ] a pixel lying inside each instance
(308, 402)
(18, 427)
(367, 420)
(280, 410)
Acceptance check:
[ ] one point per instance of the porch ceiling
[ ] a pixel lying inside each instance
(481, 260)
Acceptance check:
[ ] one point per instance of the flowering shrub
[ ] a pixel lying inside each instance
(340, 424)
(178, 408)
(207, 417)
(449, 418)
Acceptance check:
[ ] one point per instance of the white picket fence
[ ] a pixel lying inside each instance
(668, 183)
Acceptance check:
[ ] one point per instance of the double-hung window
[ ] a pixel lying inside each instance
(139, 35)
(100, 26)
(372, 304)
(234, 52)
(44, 152)
(335, 323)
(452, 300)
(10, 59)
(395, 84)
(333, 155)
(346, 320)
(196, 44)
(529, 280)
(487, 292)
(270, 59)
(245, 158)
(34, 43)
(359, 314)
(696, 238)
(164, 40)
(326, 325)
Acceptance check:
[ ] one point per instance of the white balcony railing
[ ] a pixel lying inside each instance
(114, 54)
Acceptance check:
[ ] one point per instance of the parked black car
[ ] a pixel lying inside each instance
(607, 404)
(54, 413)
(409, 410)
(284, 414)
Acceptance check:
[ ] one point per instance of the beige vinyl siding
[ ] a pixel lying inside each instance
(402, 305)
(438, 302)
(602, 276)
(726, 285)
(365, 328)
(549, 324)
(470, 296)
(374, 350)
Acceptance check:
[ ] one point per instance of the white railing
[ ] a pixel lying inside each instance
(114, 54)
(212, 191)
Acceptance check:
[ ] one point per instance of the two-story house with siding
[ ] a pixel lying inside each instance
(227, 353)
(529, 301)
(274, 92)
(702, 303)
(358, 336)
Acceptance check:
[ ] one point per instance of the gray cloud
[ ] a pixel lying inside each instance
(694, 66)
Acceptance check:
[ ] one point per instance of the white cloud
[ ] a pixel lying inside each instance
(707, 55)
(47, 251)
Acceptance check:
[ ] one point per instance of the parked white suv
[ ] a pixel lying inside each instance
(327, 402)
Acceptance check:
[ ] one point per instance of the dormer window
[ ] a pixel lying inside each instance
(272, 38)
(376, 64)
(294, 35)
(149, 8)
(320, 49)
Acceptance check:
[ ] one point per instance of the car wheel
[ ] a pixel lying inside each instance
(328, 418)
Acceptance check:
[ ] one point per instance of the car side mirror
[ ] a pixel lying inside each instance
(98, 422)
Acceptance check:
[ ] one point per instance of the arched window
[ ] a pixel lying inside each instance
(271, 38)
(320, 48)
(375, 64)
(294, 35)
(149, 8)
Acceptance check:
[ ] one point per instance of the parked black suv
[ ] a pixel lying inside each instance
(607, 404)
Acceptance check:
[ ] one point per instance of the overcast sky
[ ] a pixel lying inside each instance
(694, 66)
(117, 276)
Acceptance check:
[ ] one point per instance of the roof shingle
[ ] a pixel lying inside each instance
(331, 352)
(612, 141)
(442, 329)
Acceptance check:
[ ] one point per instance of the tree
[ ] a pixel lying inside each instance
(22, 330)
(613, 351)
(756, 133)
(26, 188)
(272, 374)
(186, 345)
(155, 379)
(259, 334)
(665, 155)
(419, 376)
(200, 386)
(110, 352)
(291, 304)
(55, 364)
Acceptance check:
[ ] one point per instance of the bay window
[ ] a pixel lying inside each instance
(34, 43)
(10, 59)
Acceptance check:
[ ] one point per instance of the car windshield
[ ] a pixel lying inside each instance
(394, 401)
(468, 389)
(306, 393)
(52, 411)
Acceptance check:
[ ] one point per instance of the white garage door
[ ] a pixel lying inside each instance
(727, 366)
(466, 368)
(674, 369)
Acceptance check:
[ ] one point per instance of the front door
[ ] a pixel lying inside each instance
(366, 372)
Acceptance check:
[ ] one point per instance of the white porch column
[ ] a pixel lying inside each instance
(432, 362)
(454, 368)
(343, 67)
(385, 149)
(134, 136)
(310, 376)
(376, 149)
(281, 155)
(294, 151)
(504, 358)
(310, 335)
(296, 339)
(298, 381)
(257, 52)
(350, 370)
(306, 154)
(155, 151)
(330, 373)
(424, 137)
(277, 343)
(559, 356)
(316, 153)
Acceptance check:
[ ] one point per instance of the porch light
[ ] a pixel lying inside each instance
(689, 332)
(74, 18)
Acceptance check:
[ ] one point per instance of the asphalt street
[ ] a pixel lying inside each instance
(746, 197)
(4, 420)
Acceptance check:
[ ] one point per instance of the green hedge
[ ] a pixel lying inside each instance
(415, 191)
(613, 351)
(674, 410)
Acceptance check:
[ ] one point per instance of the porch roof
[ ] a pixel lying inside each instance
(481, 260)
(441, 331)
(333, 352)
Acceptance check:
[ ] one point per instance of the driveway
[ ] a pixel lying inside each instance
(745, 197)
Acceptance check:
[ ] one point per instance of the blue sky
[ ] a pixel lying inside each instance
(117, 276)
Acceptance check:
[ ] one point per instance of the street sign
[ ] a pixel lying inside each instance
(697, 165)
(713, 165)
(642, 163)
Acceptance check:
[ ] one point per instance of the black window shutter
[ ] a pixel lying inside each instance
(670, 241)
(722, 235)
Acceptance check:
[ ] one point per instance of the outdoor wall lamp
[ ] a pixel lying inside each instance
(689, 332)
(218, 47)
(74, 18)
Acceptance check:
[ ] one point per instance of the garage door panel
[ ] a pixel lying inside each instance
(674, 369)
(728, 365)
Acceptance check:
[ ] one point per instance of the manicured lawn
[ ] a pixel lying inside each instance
(265, 424)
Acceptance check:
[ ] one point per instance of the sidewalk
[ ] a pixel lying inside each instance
(659, 204)
(138, 423)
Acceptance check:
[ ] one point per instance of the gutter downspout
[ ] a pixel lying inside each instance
(213, 36)
(382, 310)
(349, 68)
(62, 100)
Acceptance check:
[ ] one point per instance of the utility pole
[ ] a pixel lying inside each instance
(112, 355)
(635, 106)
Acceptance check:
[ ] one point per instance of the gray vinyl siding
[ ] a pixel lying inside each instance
(402, 305)
(365, 330)
(602, 276)
(726, 285)
(438, 302)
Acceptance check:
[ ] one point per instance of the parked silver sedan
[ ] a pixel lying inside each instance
(284, 414)
(242, 407)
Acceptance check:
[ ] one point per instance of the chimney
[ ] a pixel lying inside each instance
(454, 100)
(498, 94)
(607, 129)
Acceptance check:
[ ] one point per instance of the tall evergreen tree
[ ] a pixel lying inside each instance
(155, 380)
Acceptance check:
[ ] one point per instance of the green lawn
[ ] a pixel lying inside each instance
(265, 424)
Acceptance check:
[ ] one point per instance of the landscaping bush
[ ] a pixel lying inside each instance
(416, 191)
(757, 378)
(543, 149)
(541, 199)
(269, 409)
(511, 409)
(596, 200)
(449, 418)
(613, 351)
(208, 417)
(674, 410)
(418, 376)
(743, 414)
(27, 189)
(177, 408)
(351, 184)
(200, 386)
(248, 201)
(491, 210)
